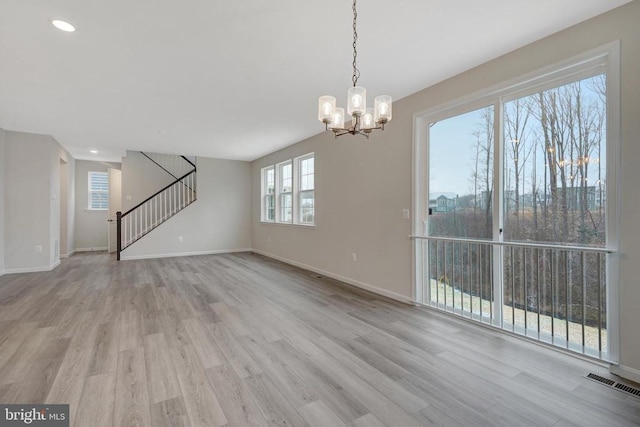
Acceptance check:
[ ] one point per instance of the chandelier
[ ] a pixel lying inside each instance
(364, 120)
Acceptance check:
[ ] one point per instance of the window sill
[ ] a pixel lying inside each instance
(289, 224)
(96, 210)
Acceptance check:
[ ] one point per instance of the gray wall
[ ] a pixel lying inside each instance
(140, 179)
(32, 195)
(2, 161)
(219, 221)
(362, 187)
(90, 226)
(27, 211)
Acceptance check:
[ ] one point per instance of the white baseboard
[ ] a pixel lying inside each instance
(63, 256)
(124, 257)
(625, 372)
(353, 282)
(99, 249)
(31, 269)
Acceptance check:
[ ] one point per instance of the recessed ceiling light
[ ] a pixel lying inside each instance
(94, 151)
(64, 26)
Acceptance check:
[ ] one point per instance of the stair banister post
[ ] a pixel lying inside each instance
(118, 234)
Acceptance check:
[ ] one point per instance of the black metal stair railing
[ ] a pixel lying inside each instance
(174, 165)
(147, 215)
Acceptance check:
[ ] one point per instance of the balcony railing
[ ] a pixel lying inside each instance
(551, 293)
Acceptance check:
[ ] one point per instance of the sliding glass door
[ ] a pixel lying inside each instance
(513, 194)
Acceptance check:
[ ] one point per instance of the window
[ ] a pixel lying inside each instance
(523, 243)
(307, 198)
(555, 164)
(288, 192)
(98, 191)
(268, 194)
(285, 191)
(462, 142)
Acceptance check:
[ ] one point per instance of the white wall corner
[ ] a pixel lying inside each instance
(358, 284)
(625, 372)
(63, 256)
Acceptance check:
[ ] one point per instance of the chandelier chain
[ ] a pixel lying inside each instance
(356, 72)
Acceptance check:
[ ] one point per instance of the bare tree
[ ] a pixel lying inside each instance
(487, 122)
(516, 117)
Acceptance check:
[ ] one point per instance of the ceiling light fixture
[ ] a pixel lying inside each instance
(63, 25)
(363, 120)
(94, 151)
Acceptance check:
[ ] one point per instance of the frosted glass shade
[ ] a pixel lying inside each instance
(367, 121)
(338, 119)
(382, 106)
(356, 100)
(326, 108)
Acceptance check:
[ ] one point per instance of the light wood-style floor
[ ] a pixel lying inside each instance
(240, 340)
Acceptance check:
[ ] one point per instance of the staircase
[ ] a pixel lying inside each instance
(149, 214)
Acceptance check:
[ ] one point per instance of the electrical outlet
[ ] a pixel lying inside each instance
(180, 239)
(38, 248)
(405, 213)
(354, 256)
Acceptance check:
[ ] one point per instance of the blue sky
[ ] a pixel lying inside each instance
(453, 150)
(452, 153)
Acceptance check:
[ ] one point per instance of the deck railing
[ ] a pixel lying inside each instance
(551, 293)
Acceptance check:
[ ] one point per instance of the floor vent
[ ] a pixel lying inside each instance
(317, 276)
(616, 385)
(603, 380)
(627, 389)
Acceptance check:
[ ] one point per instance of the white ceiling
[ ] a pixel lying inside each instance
(237, 79)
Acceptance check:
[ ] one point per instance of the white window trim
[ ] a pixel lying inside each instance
(298, 176)
(299, 210)
(90, 192)
(280, 193)
(606, 59)
(295, 193)
(264, 193)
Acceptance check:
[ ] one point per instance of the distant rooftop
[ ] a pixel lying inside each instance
(448, 195)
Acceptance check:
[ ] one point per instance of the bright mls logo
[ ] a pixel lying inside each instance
(34, 415)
